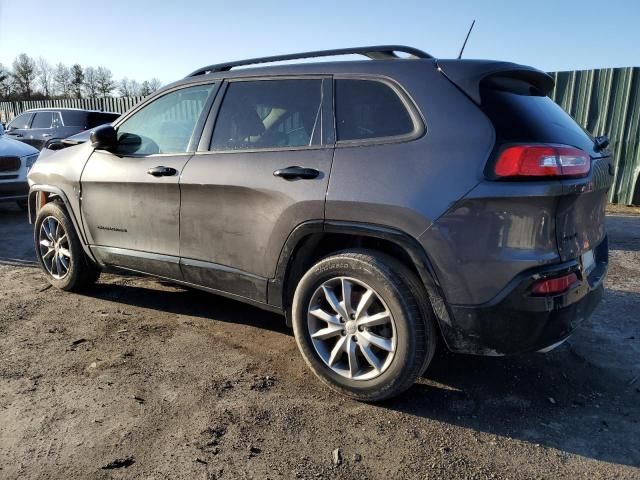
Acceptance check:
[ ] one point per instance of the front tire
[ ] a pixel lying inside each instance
(59, 251)
(361, 326)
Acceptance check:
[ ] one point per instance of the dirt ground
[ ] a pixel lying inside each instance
(141, 379)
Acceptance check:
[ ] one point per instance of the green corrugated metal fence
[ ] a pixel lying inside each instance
(607, 102)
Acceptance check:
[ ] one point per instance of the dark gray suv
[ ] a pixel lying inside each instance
(42, 127)
(380, 205)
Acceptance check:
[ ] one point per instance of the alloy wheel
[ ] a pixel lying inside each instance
(351, 328)
(53, 245)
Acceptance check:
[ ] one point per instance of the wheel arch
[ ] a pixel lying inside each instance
(313, 240)
(40, 195)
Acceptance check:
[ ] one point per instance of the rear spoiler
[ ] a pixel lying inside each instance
(469, 75)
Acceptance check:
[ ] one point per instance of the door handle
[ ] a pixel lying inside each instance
(291, 173)
(46, 135)
(162, 171)
(17, 135)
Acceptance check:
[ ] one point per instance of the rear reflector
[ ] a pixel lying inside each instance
(542, 161)
(556, 285)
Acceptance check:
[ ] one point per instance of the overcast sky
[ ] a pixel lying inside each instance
(142, 39)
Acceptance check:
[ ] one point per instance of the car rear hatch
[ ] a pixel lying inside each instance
(514, 97)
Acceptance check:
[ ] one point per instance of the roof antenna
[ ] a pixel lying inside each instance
(465, 40)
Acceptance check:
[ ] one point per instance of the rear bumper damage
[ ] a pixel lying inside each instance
(518, 322)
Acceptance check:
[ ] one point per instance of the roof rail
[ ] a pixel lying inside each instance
(379, 52)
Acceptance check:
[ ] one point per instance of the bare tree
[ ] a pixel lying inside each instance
(77, 80)
(154, 84)
(104, 81)
(45, 76)
(134, 88)
(91, 82)
(145, 88)
(6, 82)
(124, 87)
(62, 79)
(24, 73)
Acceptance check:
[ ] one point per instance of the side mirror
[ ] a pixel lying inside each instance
(104, 137)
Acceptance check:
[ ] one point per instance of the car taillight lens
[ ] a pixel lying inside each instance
(542, 161)
(550, 286)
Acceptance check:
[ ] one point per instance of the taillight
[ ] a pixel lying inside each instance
(542, 161)
(550, 286)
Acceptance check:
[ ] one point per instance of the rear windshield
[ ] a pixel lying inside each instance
(531, 118)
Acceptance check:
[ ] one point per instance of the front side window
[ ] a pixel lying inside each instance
(42, 120)
(269, 114)
(368, 109)
(21, 121)
(165, 125)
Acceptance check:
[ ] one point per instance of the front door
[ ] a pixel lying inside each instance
(264, 171)
(131, 197)
(19, 126)
(41, 128)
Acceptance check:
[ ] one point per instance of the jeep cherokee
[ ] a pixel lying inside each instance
(381, 205)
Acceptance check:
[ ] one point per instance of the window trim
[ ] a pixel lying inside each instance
(196, 136)
(60, 122)
(419, 126)
(325, 118)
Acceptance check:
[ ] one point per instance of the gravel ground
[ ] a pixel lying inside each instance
(141, 379)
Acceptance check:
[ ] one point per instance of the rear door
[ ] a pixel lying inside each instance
(264, 171)
(131, 197)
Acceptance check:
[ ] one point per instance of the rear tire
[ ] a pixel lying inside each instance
(388, 337)
(59, 251)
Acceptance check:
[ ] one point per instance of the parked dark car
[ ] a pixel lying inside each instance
(39, 127)
(379, 205)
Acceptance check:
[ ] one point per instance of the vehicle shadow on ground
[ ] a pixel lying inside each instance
(559, 400)
(186, 301)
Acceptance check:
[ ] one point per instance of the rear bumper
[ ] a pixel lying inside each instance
(517, 322)
(14, 190)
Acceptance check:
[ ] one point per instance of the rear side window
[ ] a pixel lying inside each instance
(21, 121)
(42, 120)
(368, 109)
(72, 118)
(521, 117)
(269, 114)
(99, 118)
